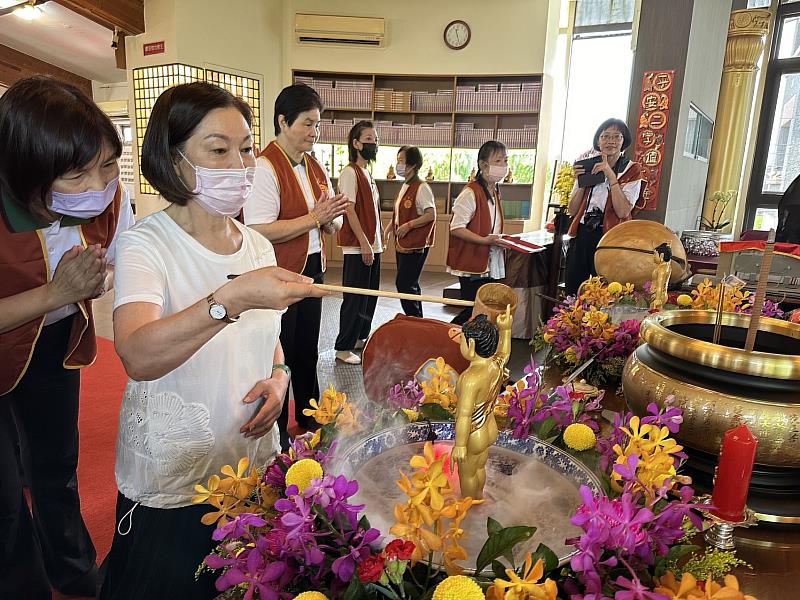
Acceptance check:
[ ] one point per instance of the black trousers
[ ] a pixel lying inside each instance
(469, 289)
(157, 558)
(580, 258)
(51, 546)
(355, 316)
(300, 341)
(409, 268)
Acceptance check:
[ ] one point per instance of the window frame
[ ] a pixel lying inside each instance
(776, 69)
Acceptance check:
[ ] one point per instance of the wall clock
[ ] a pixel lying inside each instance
(457, 35)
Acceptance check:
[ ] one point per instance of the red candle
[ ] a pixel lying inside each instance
(732, 479)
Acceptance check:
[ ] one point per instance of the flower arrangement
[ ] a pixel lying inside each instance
(581, 328)
(565, 180)
(706, 297)
(720, 200)
(292, 529)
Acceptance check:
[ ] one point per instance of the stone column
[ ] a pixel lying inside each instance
(746, 34)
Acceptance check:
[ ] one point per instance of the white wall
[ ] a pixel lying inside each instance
(704, 59)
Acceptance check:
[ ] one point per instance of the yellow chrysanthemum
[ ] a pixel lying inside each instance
(302, 472)
(458, 587)
(615, 287)
(311, 596)
(684, 300)
(579, 436)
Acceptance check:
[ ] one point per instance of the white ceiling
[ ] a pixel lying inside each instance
(64, 39)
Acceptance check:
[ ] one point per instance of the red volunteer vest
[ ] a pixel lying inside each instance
(468, 257)
(24, 266)
(405, 211)
(610, 219)
(292, 254)
(366, 211)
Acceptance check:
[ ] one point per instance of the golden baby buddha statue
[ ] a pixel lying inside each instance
(487, 347)
(662, 257)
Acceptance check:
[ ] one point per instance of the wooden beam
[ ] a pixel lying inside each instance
(125, 15)
(119, 52)
(15, 65)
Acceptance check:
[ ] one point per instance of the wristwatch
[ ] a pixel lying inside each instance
(218, 311)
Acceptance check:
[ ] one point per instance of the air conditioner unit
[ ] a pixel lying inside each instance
(329, 30)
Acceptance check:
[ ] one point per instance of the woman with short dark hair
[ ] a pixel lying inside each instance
(361, 242)
(292, 204)
(598, 208)
(475, 254)
(412, 226)
(62, 207)
(206, 372)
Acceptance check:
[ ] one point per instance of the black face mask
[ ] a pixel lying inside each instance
(369, 151)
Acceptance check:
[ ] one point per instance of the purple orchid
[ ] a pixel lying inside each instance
(407, 395)
(635, 590)
(359, 549)
(238, 527)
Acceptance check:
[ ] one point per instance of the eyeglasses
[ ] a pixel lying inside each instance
(611, 137)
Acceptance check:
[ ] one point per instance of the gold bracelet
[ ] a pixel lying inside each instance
(316, 219)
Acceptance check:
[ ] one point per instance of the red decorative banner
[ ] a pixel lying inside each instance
(153, 48)
(651, 130)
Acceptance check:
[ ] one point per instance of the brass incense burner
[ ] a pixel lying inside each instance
(720, 385)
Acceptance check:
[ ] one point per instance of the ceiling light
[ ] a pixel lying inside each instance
(29, 12)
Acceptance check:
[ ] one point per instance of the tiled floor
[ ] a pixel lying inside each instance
(348, 378)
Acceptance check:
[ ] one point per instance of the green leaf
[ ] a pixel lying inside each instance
(499, 569)
(501, 543)
(493, 526)
(546, 427)
(549, 558)
(354, 591)
(363, 522)
(435, 412)
(673, 556)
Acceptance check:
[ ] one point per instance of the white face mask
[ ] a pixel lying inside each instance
(222, 192)
(400, 169)
(496, 173)
(84, 205)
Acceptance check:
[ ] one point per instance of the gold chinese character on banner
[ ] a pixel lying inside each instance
(662, 82)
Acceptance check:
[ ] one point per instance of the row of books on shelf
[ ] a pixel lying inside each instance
(437, 134)
(357, 94)
(343, 93)
(506, 97)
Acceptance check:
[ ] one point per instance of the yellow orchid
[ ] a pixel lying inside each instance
(688, 588)
(438, 384)
(226, 508)
(334, 407)
(206, 493)
(525, 587)
(409, 527)
(425, 460)
(241, 486)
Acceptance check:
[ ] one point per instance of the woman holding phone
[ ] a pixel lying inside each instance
(599, 207)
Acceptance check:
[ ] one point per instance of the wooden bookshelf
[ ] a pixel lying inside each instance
(436, 112)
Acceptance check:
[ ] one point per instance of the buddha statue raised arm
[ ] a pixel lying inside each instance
(487, 347)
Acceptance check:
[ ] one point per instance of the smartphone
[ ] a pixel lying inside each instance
(587, 179)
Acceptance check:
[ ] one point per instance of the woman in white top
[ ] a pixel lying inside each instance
(291, 205)
(475, 254)
(360, 240)
(412, 225)
(206, 375)
(598, 208)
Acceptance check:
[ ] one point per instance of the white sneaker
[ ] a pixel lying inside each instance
(348, 357)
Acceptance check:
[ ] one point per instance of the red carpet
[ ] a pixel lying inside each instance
(102, 385)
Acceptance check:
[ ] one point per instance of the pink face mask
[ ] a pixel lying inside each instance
(222, 192)
(496, 173)
(84, 205)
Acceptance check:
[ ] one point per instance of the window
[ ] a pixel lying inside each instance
(698, 135)
(777, 157)
(590, 13)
